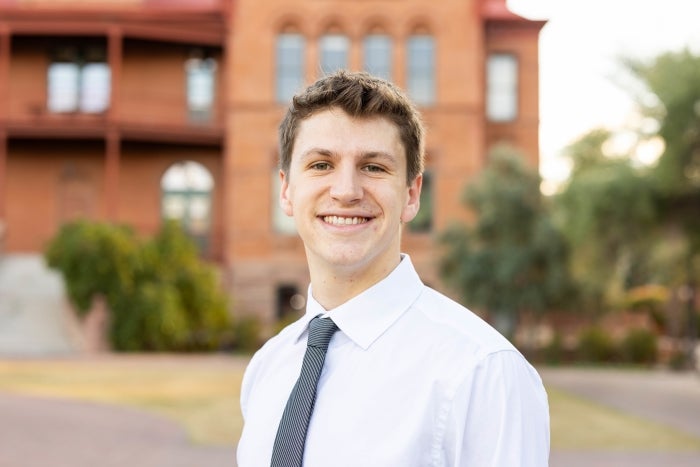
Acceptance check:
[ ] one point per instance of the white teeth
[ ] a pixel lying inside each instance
(335, 220)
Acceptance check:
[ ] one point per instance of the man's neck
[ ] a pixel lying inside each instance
(331, 287)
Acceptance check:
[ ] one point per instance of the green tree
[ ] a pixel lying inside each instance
(606, 209)
(511, 259)
(631, 225)
(160, 295)
(671, 97)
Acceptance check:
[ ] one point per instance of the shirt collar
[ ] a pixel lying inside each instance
(367, 316)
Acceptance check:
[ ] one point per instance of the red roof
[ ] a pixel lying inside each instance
(497, 10)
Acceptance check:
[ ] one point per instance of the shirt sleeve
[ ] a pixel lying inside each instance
(499, 416)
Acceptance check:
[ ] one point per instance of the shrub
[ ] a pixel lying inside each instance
(94, 259)
(203, 304)
(554, 350)
(246, 334)
(161, 296)
(678, 360)
(639, 346)
(151, 318)
(595, 345)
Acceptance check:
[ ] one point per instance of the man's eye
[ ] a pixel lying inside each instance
(374, 168)
(321, 166)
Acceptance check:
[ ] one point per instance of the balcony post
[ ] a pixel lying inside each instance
(114, 58)
(3, 169)
(4, 95)
(113, 137)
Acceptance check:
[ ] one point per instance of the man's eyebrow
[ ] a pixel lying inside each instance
(315, 152)
(366, 155)
(379, 155)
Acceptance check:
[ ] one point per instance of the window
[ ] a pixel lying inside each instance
(378, 55)
(421, 69)
(334, 52)
(200, 73)
(64, 87)
(423, 222)
(95, 87)
(281, 222)
(290, 65)
(186, 197)
(78, 80)
(501, 87)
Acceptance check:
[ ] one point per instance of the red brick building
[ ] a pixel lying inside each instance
(134, 111)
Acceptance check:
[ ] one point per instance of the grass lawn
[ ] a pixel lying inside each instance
(577, 424)
(201, 393)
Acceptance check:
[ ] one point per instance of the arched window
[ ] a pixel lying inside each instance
(421, 68)
(290, 65)
(377, 55)
(187, 197)
(334, 52)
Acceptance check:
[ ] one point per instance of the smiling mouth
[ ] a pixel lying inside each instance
(338, 220)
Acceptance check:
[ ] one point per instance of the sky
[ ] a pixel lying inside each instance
(581, 84)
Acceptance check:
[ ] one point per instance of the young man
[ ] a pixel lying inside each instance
(410, 377)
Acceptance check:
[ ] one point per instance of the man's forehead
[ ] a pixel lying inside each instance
(334, 129)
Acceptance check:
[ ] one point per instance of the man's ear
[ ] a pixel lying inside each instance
(285, 200)
(410, 209)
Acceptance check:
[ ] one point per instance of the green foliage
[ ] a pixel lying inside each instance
(671, 82)
(603, 193)
(554, 350)
(646, 297)
(246, 334)
(161, 296)
(95, 259)
(607, 212)
(673, 79)
(678, 360)
(512, 258)
(631, 225)
(639, 346)
(595, 345)
(151, 318)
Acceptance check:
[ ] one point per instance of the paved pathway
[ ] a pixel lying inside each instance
(671, 399)
(38, 432)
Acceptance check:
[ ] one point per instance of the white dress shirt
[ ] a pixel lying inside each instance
(410, 379)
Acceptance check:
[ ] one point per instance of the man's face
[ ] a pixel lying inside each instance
(347, 191)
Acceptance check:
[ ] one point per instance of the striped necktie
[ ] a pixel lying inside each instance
(288, 450)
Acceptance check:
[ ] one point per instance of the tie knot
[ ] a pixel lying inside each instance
(320, 332)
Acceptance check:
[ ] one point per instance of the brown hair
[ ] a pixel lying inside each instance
(360, 95)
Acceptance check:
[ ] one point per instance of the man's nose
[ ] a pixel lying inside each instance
(346, 186)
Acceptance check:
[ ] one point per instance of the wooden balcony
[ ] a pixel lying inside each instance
(191, 21)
